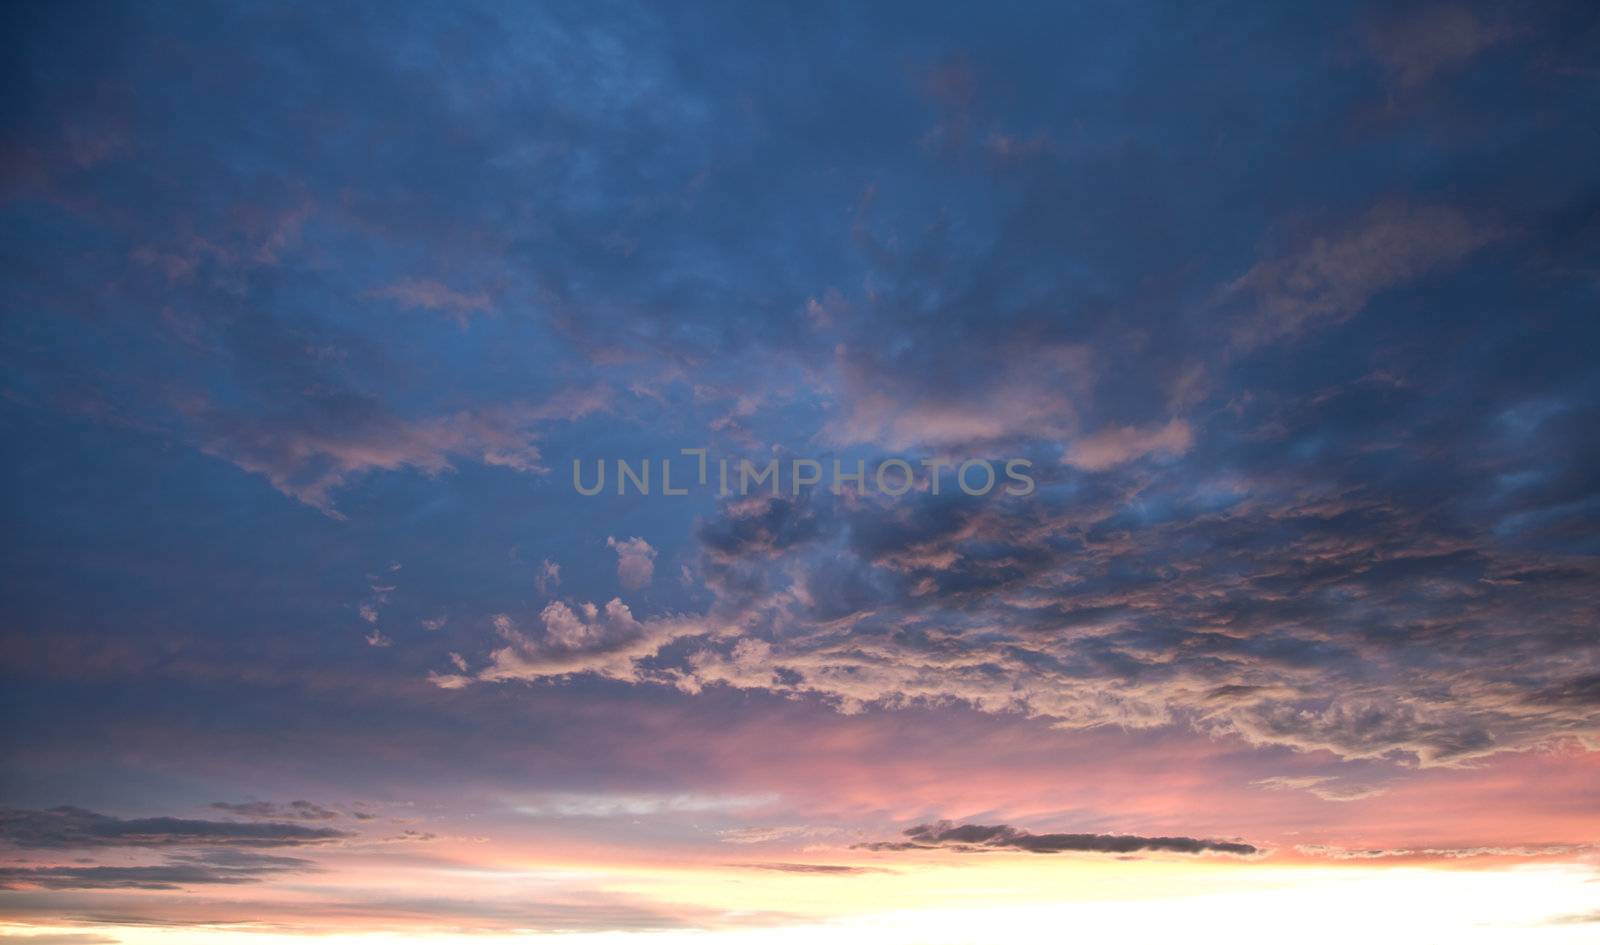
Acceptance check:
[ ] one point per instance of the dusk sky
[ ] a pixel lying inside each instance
(1182, 423)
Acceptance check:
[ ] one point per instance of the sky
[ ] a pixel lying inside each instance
(1183, 520)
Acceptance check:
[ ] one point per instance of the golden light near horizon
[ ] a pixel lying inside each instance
(1018, 902)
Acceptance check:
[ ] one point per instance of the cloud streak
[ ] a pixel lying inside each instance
(980, 838)
(266, 810)
(331, 439)
(74, 827)
(1331, 278)
(174, 874)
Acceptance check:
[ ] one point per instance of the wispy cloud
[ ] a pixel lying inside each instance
(1417, 44)
(1327, 788)
(434, 296)
(1329, 278)
(639, 805)
(1520, 851)
(1113, 447)
(327, 441)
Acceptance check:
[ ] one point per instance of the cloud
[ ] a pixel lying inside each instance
(636, 561)
(1004, 393)
(1331, 278)
(175, 873)
(74, 827)
(764, 526)
(1355, 727)
(811, 869)
(548, 577)
(1385, 570)
(330, 439)
(1107, 449)
(434, 297)
(265, 810)
(640, 805)
(1262, 610)
(1327, 788)
(1528, 851)
(1419, 43)
(746, 835)
(978, 838)
(458, 680)
(585, 638)
(255, 237)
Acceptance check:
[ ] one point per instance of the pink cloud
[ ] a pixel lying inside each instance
(1119, 445)
(434, 296)
(1029, 391)
(315, 451)
(636, 561)
(608, 641)
(1331, 278)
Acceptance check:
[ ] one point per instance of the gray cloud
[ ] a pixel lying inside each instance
(173, 874)
(73, 827)
(978, 838)
(266, 810)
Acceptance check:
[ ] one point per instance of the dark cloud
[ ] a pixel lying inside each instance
(74, 827)
(230, 868)
(765, 526)
(265, 810)
(979, 838)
